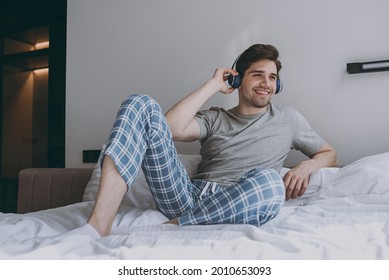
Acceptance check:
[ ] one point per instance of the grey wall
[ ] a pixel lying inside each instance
(168, 48)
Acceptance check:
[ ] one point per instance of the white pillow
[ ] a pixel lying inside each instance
(90, 192)
(139, 195)
(368, 175)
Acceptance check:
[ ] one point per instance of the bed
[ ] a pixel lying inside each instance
(343, 215)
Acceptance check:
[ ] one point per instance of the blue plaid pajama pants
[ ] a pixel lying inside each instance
(141, 138)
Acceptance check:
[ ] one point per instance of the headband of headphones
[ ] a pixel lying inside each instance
(235, 81)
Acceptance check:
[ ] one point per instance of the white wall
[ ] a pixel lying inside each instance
(167, 48)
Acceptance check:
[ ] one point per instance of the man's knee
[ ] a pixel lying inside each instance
(268, 184)
(266, 176)
(140, 100)
(267, 188)
(139, 106)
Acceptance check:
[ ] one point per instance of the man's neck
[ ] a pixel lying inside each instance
(250, 110)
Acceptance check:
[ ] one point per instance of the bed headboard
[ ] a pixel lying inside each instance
(44, 188)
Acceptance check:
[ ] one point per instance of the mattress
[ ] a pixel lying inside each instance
(343, 215)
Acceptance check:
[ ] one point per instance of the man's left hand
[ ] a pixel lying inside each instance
(296, 180)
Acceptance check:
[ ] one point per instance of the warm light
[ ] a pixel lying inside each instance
(41, 71)
(42, 45)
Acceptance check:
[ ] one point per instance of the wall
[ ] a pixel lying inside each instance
(168, 48)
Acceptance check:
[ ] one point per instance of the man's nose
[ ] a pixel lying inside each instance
(265, 81)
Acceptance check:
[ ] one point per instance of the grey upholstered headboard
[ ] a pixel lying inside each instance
(44, 188)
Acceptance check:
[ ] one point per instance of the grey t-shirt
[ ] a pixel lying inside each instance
(232, 144)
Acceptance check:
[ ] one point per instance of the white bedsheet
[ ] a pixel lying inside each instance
(346, 217)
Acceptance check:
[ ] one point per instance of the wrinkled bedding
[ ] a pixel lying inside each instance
(344, 215)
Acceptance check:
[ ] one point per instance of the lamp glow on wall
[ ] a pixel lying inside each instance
(365, 67)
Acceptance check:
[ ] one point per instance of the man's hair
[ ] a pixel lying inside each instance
(255, 53)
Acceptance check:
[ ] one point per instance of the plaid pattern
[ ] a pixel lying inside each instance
(141, 138)
(254, 199)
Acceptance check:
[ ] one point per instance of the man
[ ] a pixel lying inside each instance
(242, 149)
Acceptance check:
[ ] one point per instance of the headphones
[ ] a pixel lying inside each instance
(235, 81)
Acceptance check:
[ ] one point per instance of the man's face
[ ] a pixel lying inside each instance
(258, 87)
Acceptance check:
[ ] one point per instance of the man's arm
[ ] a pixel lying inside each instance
(181, 116)
(297, 179)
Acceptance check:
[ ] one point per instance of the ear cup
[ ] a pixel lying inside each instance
(234, 81)
(279, 86)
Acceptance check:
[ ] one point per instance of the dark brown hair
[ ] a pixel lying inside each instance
(255, 53)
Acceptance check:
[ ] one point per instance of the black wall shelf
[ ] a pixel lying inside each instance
(30, 36)
(27, 61)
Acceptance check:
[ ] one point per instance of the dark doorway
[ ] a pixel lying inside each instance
(32, 92)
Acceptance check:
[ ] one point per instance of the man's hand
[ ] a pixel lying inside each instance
(220, 76)
(297, 179)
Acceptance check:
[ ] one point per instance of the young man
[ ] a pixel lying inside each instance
(242, 149)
